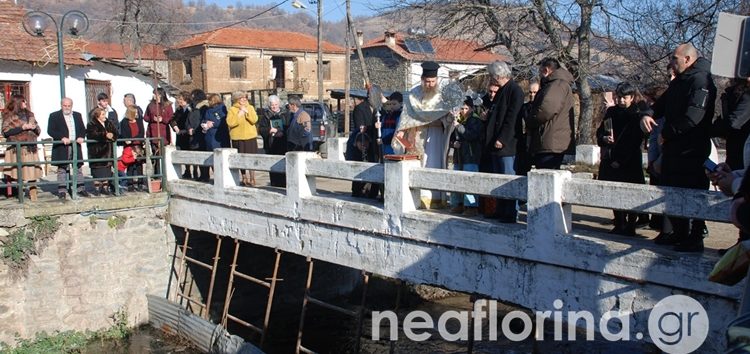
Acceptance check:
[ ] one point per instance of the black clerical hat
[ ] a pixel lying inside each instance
(430, 69)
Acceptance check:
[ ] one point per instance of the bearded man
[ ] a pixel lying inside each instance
(425, 127)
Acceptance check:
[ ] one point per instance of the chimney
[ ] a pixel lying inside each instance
(360, 38)
(390, 38)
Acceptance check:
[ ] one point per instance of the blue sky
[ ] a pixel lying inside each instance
(333, 10)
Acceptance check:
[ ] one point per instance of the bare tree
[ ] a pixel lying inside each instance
(631, 39)
(529, 31)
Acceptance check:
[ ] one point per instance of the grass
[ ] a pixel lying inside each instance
(22, 242)
(116, 221)
(70, 341)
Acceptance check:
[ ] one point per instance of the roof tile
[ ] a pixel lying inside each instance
(261, 39)
(446, 51)
(118, 51)
(16, 44)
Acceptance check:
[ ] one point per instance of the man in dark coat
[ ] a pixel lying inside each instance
(523, 158)
(362, 144)
(67, 126)
(550, 126)
(688, 108)
(501, 137)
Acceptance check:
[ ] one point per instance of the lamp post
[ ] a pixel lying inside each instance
(36, 22)
(298, 5)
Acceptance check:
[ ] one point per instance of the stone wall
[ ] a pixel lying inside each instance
(385, 68)
(89, 270)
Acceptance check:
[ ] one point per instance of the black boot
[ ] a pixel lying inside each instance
(690, 244)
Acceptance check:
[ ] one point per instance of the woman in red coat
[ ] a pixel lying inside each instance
(158, 115)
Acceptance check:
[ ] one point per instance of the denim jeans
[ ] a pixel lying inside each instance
(507, 209)
(469, 199)
(122, 179)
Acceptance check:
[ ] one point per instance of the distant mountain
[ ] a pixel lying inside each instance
(169, 21)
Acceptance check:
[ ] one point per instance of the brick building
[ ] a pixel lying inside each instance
(231, 59)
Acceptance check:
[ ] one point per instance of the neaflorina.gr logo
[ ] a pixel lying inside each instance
(419, 325)
(677, 324)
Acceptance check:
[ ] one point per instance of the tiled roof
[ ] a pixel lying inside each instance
(16, 44)
(446, 51)
(240, 37)
(117, 51)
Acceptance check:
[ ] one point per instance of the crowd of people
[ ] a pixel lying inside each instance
(504, 132)
(200, 122)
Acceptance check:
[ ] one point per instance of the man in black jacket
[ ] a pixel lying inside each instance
(688, 109)
(500, 140)
(361, 144)
(67, 126)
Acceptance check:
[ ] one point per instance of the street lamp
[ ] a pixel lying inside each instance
(298, 5)
(73, 22)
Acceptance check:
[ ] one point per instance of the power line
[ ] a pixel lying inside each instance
(229, 22)
(235, 23)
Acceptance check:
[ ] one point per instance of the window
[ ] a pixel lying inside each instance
(326, 70)
(187, 68)
(10, 88)
(236, 68)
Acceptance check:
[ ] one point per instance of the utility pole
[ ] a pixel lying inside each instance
(320, 51)
(347, 79)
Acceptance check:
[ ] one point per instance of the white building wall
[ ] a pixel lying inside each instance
(44, 87)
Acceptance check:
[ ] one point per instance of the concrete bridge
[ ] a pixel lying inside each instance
(530, 264)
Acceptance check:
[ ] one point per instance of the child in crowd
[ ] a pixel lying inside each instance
(128, 166)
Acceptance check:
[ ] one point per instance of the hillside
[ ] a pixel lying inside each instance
(170, 21)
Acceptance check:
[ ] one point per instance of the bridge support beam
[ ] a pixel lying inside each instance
(399, 199)
(547, 214)
(298, 184)
(171, 170)
(335, 149)
(224, 177)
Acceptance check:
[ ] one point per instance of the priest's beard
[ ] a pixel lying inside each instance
(429, 92)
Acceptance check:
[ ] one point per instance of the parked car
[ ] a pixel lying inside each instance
(323, 124)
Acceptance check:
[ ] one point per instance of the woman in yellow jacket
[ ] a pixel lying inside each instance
(243, 131)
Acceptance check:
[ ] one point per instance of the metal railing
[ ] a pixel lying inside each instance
(72, 181)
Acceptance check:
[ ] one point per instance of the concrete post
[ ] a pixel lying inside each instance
(547, 215)
(399, 198)
(171, 171)
(298, 184)
(223, 176)
(587, 154)
(336, 147)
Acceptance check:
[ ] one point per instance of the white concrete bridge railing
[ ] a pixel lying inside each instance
(528, 265)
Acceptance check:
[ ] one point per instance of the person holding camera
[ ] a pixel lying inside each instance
(620, 139)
